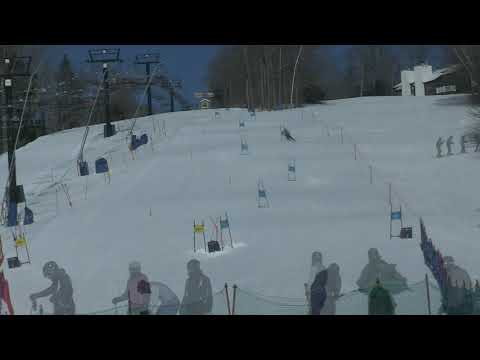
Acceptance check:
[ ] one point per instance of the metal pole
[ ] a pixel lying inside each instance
(371, 174)
(107, 95)
(428, 294)
(390, 200)
(355, 150)
(234, 298)
(401, 217)
(390, 194)
(341, 135)
(172, 102)
(149, 90)
(194, 248)
(229, 232)
(11, 135)
(228, 300)
(204, 240)
(56, 200)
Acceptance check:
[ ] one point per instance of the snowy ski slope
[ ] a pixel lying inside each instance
(197, 172)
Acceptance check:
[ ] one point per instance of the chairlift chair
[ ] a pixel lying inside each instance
(28, 217)
(101, 166)
(13, 262)
(83, 168)
(109, 130)
(20, 194)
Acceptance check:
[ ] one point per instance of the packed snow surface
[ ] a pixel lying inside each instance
(197, 172)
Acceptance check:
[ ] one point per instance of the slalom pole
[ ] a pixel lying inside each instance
(194, 247)
(428, 294)
(228, 300)
(229, 232)
(234, 298)
(204, 240)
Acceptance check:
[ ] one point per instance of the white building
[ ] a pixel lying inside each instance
(422, 81)
(205, 104)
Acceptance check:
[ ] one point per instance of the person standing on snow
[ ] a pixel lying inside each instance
(333, 288)
(137, 292)
(197, 299)
(439, 147)
(61, 290)
(459, 280)
(318, 293)
(316, 267)
(377, 268)
(462, 144)
(449, 145)
(477, 141)
(380, 301)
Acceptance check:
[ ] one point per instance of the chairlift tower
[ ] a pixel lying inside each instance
(147, 60)
(12, 67)
(171, 85)
(105, 56)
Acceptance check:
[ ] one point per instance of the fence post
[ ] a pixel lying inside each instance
(355, 150)
(56, 199)
(371, 174)
(341, 135)
(234, 298)
(228, 300)
(428, 294)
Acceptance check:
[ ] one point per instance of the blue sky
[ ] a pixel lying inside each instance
(183, 62)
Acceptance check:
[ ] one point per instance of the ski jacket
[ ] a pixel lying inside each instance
(61, 292)
(318, 293)
(197, 299)
(380, 302)
(137, 300)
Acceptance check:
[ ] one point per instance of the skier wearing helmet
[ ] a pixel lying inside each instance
(197, 299)
(377, 268)
(61, 290)
(137, 292)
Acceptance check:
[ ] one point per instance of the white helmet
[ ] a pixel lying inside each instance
(134, 266)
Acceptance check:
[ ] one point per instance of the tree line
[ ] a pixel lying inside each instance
(269, 76)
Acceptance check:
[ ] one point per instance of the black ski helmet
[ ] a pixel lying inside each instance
(317, 257)
(50, 268)
(193, 265)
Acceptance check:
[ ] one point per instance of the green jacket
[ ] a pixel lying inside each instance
(380, 302)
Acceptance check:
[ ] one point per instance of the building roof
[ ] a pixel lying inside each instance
(434, 76)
